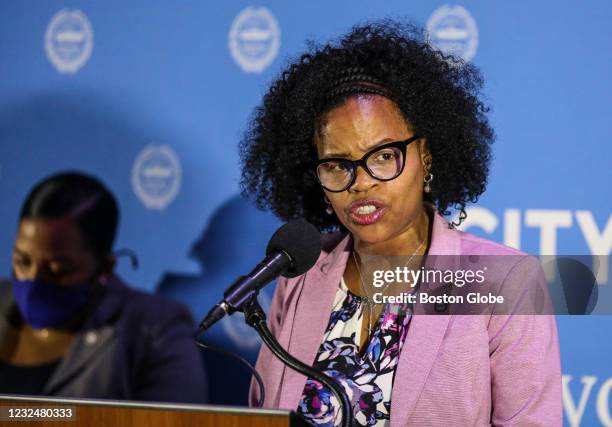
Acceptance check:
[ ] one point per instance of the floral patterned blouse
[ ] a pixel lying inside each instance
(367, 378)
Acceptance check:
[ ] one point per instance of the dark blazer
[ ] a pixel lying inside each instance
(133, 346)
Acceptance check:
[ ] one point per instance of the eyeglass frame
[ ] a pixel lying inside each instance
(363, 162)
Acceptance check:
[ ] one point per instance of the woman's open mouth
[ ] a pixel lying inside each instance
(367, 211)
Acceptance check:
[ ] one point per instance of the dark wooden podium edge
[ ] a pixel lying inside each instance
(15, 400)
(134, 404)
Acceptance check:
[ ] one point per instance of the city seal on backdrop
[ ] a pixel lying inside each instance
(69, 40)
(156, 176)
(452, 29)
(254, 39)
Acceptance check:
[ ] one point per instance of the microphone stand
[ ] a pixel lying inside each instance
(256, 318)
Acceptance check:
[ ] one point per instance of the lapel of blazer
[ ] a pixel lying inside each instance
(424, 337)
(92, 339)
(85, 347)
(312, 317)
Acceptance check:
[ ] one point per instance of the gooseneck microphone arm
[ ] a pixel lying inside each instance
(256, 318)
(293, 250)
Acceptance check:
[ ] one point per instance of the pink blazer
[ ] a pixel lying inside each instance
(453, 370)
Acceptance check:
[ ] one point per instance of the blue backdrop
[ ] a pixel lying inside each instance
(153, 97)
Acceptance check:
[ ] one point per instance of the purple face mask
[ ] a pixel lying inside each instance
(44, 305)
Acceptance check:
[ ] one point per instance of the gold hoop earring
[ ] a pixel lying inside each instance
(328, 210)
(427, 180)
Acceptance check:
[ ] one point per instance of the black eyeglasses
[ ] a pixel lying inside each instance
(384, 163)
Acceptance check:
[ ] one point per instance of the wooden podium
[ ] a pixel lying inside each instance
(17, 411)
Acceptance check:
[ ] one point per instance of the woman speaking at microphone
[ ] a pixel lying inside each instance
(69, 327)
(373, 138)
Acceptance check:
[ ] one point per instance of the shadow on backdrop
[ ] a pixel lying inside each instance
(575, 286)
(232, 243)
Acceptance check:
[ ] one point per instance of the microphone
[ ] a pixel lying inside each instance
(293, 249)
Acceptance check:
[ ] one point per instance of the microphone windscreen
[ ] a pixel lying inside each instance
(301, 240)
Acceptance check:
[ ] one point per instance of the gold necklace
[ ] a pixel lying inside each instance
(366, 298)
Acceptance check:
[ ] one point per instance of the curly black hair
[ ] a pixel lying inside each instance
(438, 94)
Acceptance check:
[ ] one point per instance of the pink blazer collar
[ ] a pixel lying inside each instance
(312, 316)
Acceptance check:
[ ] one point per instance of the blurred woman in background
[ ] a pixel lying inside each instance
(69, 327)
